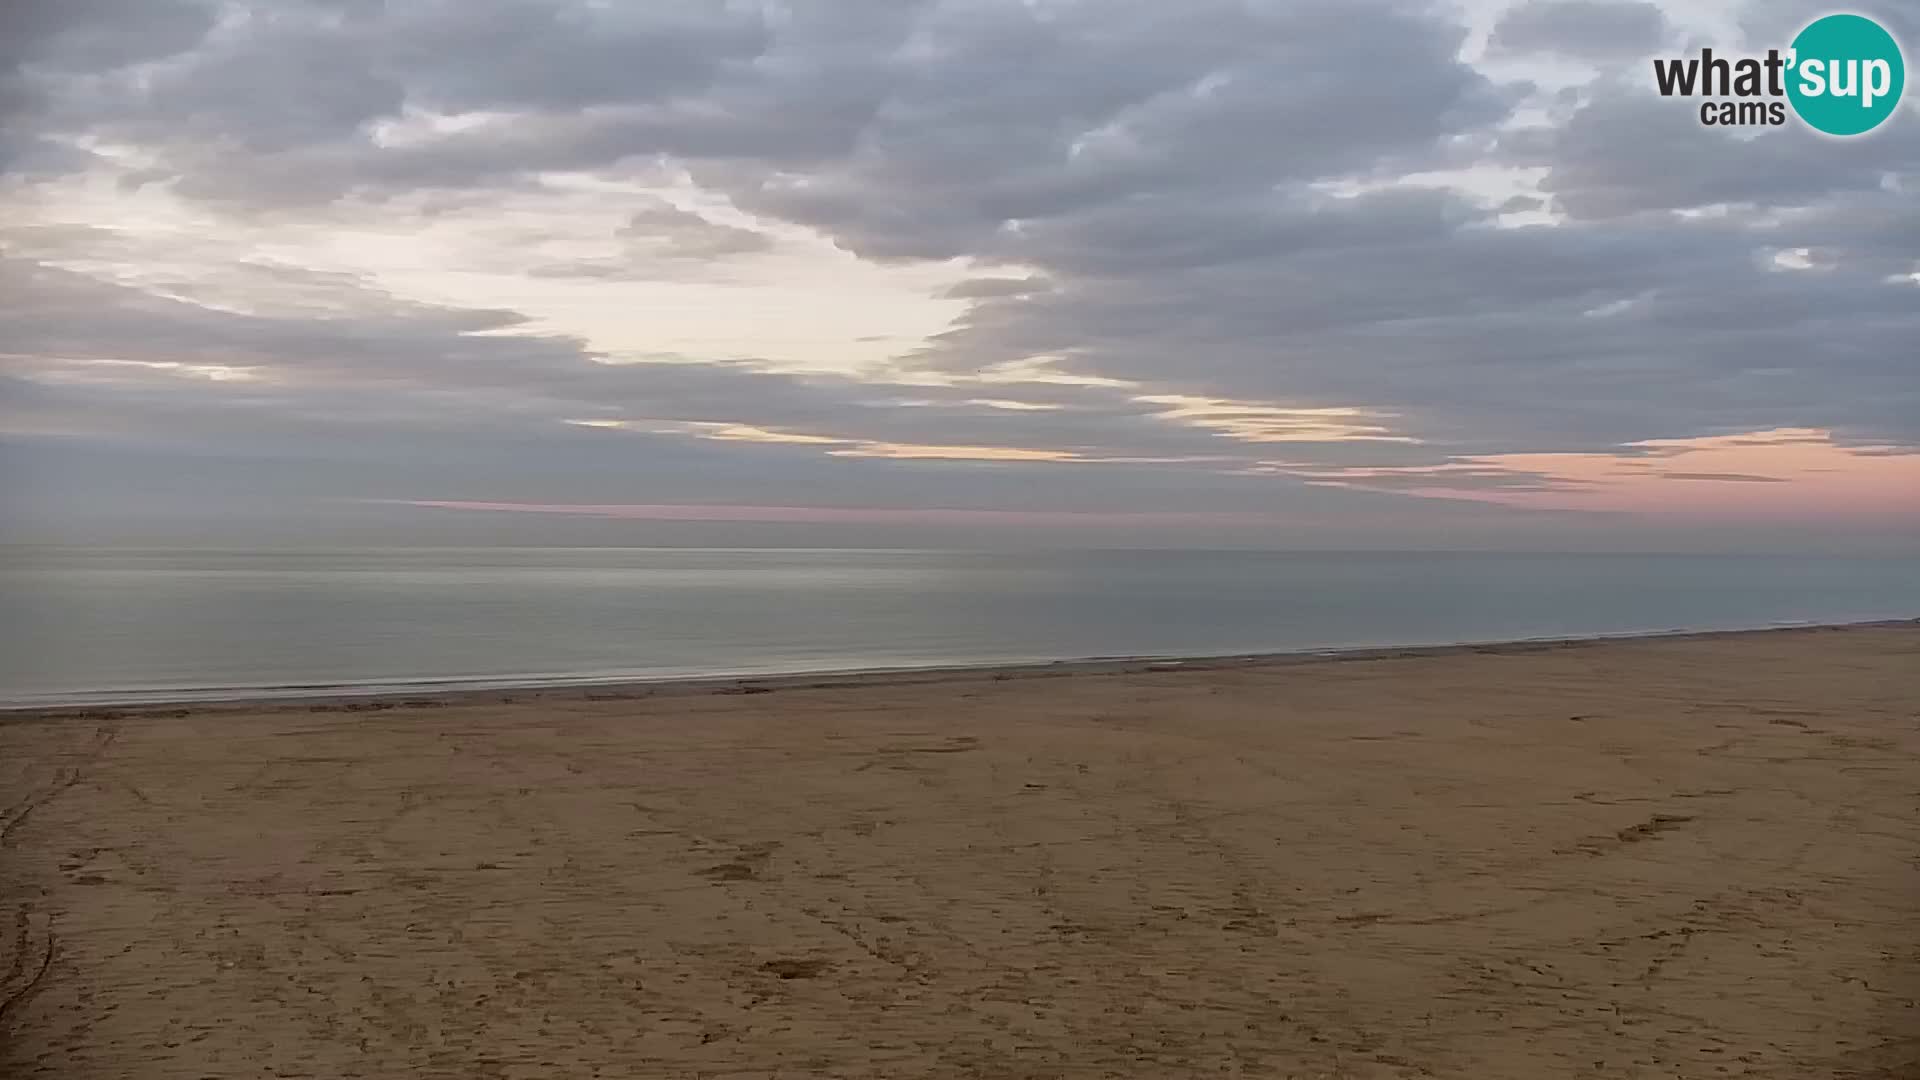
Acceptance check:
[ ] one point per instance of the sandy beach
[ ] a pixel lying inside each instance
(1669, 857)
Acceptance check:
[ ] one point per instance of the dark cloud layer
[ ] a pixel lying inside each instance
(1198, 201)
(1585, 29)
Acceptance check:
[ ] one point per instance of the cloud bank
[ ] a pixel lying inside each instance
(1363, 268)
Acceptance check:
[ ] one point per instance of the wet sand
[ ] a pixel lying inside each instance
(1677, 857)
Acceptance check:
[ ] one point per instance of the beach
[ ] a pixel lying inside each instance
(1684, 856)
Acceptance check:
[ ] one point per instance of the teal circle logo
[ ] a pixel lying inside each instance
(1846, 75)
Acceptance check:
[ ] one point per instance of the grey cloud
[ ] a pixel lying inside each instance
(303, 484)
(1132, 115)
(33, 157)
(333, 348)
(992, 288)
(543, 54)
(1581, 336)
(1627, 153)
(663, 242)
(301, 85)
(273, 83)
(1587, 29)
(301, 74)
(94, 35)
(1768, 23)
(1156, 168)
(683, 234)
(965, 116)
(44, 42)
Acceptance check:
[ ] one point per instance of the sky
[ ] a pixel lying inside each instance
(1275, 273)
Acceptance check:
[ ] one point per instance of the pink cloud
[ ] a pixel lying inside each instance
(1786, 472)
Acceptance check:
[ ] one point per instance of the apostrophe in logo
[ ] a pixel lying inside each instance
(1843, 75)
(1848, 74)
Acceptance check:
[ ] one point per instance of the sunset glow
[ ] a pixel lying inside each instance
(1784, 471)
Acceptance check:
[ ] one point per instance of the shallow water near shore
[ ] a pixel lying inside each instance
(132, 623)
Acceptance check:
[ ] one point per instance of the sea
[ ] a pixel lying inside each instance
(106, 625)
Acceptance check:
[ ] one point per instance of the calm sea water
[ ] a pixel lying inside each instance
(99, 624)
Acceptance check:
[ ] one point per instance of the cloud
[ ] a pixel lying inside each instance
(993, 288)
(46, 39)
(683, 234)
(661, 240)
(1259, 249)
(1584, 29)
(1627, 153)
(127, 358)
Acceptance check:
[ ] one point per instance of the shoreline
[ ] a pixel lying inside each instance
(512, 690)
(1685, 855)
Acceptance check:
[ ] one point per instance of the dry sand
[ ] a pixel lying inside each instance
(1688, 857)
